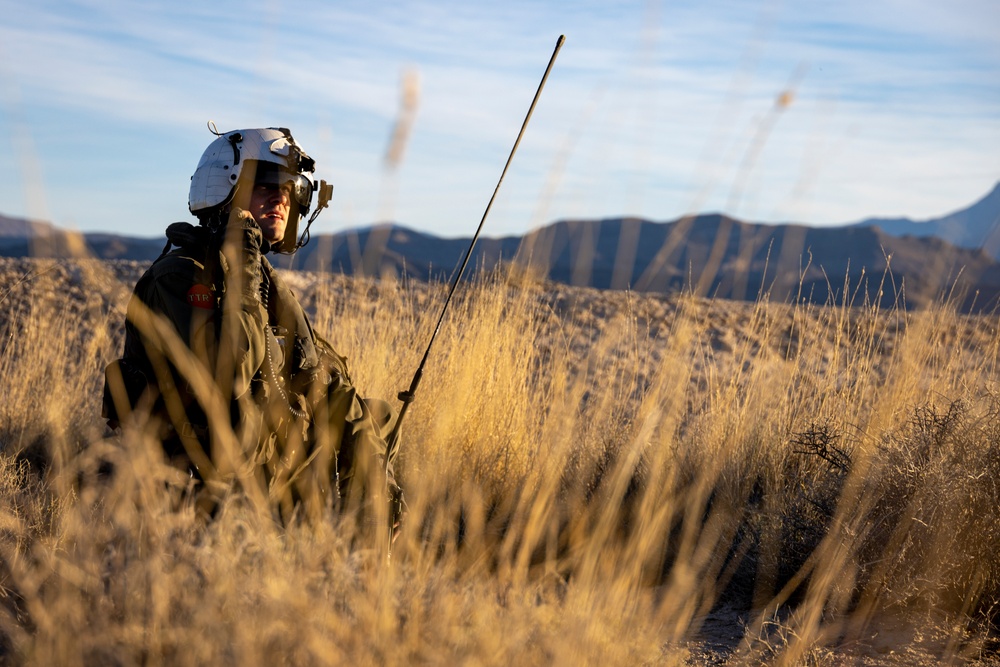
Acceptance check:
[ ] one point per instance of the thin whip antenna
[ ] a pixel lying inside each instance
(392, 442)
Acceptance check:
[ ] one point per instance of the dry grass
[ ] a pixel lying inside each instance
(593, 478)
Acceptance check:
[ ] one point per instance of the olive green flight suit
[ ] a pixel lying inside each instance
(283, 389)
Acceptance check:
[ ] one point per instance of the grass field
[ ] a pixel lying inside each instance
(593, 477)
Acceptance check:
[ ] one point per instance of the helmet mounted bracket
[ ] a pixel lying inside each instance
(324, 195)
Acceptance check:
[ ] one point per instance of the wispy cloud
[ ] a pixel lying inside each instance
(651, 110)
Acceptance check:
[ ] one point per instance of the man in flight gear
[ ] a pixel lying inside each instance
(219, 351)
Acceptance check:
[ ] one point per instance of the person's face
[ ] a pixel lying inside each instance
(269, 206)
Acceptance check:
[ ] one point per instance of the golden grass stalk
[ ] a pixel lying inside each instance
(593, 478)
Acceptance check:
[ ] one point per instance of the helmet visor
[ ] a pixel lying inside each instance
(300, 188)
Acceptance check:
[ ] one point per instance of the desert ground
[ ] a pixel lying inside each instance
(593, 477)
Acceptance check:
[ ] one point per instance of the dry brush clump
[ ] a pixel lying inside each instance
(590, 475)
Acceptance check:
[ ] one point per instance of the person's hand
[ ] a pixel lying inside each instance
(252, 241)
(253, 238)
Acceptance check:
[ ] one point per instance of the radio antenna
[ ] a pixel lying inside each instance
(392, 442)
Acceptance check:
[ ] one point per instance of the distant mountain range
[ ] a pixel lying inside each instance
(975, 227)
(710, 254)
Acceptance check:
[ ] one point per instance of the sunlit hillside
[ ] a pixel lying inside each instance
(593, 477)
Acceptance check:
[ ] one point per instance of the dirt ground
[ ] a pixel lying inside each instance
(915, 639)
(888, 641)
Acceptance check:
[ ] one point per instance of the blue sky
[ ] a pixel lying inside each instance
(653, 108)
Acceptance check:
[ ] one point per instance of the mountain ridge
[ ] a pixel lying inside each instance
(710, 254)
(975, 226)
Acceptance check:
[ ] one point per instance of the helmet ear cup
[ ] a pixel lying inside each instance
(243, 188)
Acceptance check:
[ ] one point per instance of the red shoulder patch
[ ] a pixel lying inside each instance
(200, 296)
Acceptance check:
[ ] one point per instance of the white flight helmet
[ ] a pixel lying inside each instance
(236, 160)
